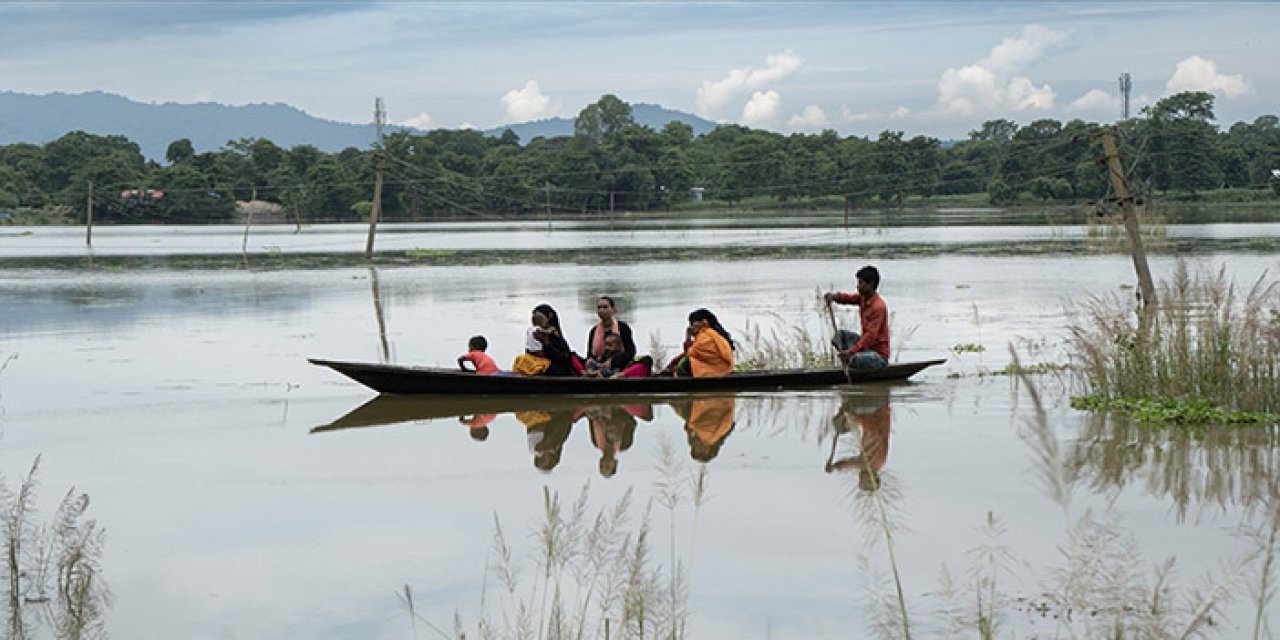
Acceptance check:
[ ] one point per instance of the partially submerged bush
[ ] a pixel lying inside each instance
(1204, 342)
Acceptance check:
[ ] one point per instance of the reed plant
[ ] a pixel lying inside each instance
(1100, 587)
(52, 571)
(590, 574)
(1207, 340)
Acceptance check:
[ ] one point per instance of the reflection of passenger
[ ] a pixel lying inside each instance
(547, 433)
(870, 413)
(479, 424)
(708, 422)
(613, 428)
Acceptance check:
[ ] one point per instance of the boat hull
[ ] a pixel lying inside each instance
(404, 380)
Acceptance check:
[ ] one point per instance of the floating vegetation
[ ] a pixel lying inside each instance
(272, 260)
(1174, 411)
(1015, 369)
(968, 348)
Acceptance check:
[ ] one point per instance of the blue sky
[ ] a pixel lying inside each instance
(938, 69)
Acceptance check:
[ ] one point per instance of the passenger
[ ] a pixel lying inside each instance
(870, 350)
(708, 348)
(605, 310)
(563, 361)
(476, 355)
(611, 362)
(533, 361)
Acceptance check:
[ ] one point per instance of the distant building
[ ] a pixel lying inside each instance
(697, 193)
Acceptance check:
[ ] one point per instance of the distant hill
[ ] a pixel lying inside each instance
(649, 115)
(38, 119)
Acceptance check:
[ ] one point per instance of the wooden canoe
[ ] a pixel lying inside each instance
(405, 380)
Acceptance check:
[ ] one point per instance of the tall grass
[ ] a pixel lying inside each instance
(594, 574)
(1207, 340)
(52, 570)
(1101, 586)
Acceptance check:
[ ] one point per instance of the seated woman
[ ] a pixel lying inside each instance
(606, 310)
(554, 346)
(708, 348)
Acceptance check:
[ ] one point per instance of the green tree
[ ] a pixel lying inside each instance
(179, 150)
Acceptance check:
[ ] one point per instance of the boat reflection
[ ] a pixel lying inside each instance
(610, 421)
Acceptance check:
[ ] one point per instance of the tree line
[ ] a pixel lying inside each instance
(611, 163)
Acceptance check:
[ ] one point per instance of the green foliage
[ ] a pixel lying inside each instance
(613, 164)
(1173, 411)
(1206, 342)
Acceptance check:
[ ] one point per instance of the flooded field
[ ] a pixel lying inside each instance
(246, 493)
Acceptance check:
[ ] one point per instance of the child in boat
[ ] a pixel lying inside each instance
(476, 355)
(612, 360)
(533, 361)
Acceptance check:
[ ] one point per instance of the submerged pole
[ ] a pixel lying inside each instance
(88, 218)
(1139, 255)
(377, 206)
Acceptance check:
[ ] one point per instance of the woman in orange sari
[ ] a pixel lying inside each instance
(708, 348)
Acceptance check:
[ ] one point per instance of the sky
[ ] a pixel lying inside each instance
(938, 69)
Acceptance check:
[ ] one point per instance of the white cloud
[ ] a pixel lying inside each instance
(988, 86)
(813, 118)
(420, 121)
(900, 112)
(763, 109)
(1199, 74)
(526, 104)
(1013, 54)
(714, 95)
(849, 115)
(1096, 101)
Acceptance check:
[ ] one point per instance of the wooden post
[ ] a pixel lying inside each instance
(88, 218)
(377, 206)
(1145, 285)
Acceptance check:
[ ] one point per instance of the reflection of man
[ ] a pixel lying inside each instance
(708, 422)
(870, 414)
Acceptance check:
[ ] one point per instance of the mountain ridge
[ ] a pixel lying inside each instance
(40, 118)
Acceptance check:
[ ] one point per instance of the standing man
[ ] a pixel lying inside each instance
(870, 349)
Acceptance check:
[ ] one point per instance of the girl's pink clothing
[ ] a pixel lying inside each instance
(483, 363)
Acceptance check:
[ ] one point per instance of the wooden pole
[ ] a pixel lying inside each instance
(377, 206)
(88, 218)
(1139, 255)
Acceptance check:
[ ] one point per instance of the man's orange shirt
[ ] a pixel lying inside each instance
(874, 314)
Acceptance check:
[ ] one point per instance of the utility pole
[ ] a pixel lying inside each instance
(1112, 158)
(379, 117)
(377, 205)
(88, 218)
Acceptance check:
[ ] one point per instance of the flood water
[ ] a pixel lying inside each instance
(246, 493)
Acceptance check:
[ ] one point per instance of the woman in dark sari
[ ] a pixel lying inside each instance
(554, 346)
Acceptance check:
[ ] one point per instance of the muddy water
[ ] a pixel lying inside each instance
(237, 502)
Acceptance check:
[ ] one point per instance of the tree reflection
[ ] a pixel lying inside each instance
(1219, 466)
